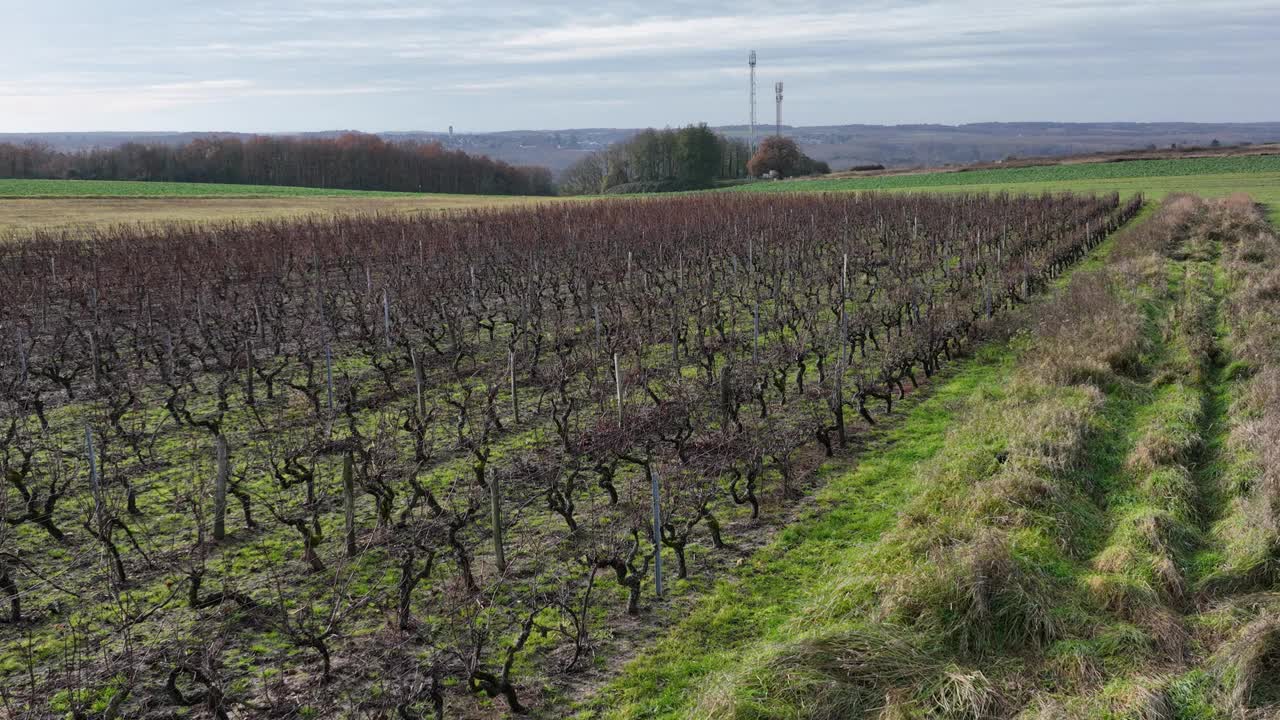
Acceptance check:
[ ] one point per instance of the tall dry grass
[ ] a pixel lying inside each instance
(1251, 528)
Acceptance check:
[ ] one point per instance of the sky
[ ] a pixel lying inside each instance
(486, 65)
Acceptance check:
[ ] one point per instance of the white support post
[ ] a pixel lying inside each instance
(755, 333)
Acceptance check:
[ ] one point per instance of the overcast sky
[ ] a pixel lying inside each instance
(519, 64)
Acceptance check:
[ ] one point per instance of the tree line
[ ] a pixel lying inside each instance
(688, 158)
(352, 161)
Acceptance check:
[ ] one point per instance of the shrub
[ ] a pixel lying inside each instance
(782, 155)
(655, 186)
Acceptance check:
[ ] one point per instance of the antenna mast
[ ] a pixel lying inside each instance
(751, 61)
(777, 91)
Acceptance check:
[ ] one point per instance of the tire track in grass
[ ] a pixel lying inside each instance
(1238, 626)
(1144, 576)
(1184, 556)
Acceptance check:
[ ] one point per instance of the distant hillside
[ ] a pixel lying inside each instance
(840, 145)
(934, 145)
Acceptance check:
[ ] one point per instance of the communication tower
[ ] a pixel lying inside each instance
(751, 61)
(777, 92)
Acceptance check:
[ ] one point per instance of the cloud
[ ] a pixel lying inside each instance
(114, 99)
(499, 63)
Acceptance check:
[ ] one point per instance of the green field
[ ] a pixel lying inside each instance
(1257, 175)
(140, 188)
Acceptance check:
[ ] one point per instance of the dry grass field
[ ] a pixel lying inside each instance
(28, 205)
(22, 215)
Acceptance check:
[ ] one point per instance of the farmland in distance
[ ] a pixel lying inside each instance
(1257, 175)
(28, 205)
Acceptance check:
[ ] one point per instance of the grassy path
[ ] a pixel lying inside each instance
(773, 586)
(793, 577)
(1209, 646)
(1063, 528)
(1211, 464)
(1236, 622)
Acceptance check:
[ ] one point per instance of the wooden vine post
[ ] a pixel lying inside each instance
(726, 395)
(617, 380)
(220, 490)
(495, 502)
(418, 383)
(837, 400)
(328, 374)
(349, 502)
(755, 333)
(657, 532)
(95, 484)
(515, 397)
(248, 365)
